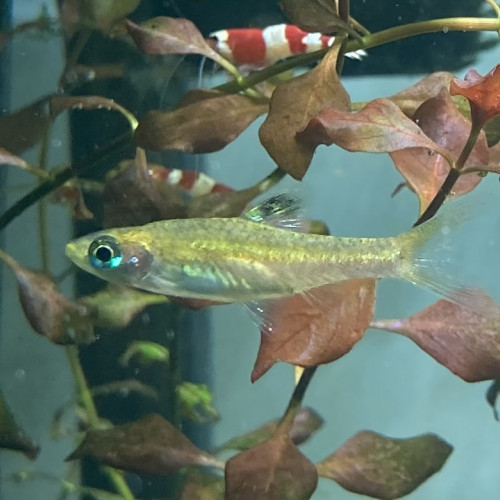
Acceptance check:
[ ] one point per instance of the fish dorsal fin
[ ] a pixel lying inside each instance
(283, 211)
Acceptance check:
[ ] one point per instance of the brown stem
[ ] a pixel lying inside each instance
(268, 182)
(344, 10)
(295, 403)
(451, 178)
(43, 228)
(469, 146)
(86, 400)
(81, 40)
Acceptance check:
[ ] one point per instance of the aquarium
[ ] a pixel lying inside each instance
(249, 249)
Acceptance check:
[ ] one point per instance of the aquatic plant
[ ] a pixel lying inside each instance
(442, 135)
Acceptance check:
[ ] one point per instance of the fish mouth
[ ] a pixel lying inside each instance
(76, 251)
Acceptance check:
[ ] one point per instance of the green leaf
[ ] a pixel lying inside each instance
(145, 353)
(116, 306)
(196, 402)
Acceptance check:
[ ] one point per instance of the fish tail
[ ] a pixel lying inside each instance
(440, 255)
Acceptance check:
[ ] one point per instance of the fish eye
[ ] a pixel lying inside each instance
(104, 253)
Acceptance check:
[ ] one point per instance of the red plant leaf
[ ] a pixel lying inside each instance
(380, 127)
(482, 92)
(49, 313)
(293, 104)
(22, 129)
(316, 328)
(380, 467)
(12, 437)
(446, 126)
(168, 35)
(132, 197)
(150, 445)
(273, 470)
(468, 344)
(72, 196)
(314, 15)
(96, 14)
(305, 424)
(408, 100)
(203, 126)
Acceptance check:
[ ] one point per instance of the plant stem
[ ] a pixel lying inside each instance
(295, 403)
(344, 10)
(469, 145)
(433, 26)
(84, 394)
(42, 205)
(452, 177)
(85, 165)
(82, 39)
(34, 170)
(344, 15)
(268, 182)
(85, 397)
(494, 6)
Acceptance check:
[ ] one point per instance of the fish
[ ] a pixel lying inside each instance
(254, 48)
(267, 254)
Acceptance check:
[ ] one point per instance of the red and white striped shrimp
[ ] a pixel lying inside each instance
(254, 48)
(193, 183)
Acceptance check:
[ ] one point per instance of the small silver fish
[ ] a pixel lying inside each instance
(254, 258)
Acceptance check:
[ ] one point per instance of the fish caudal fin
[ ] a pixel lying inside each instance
(455, 253)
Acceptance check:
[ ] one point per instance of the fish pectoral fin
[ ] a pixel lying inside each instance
(283, 211)
(260, 313)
